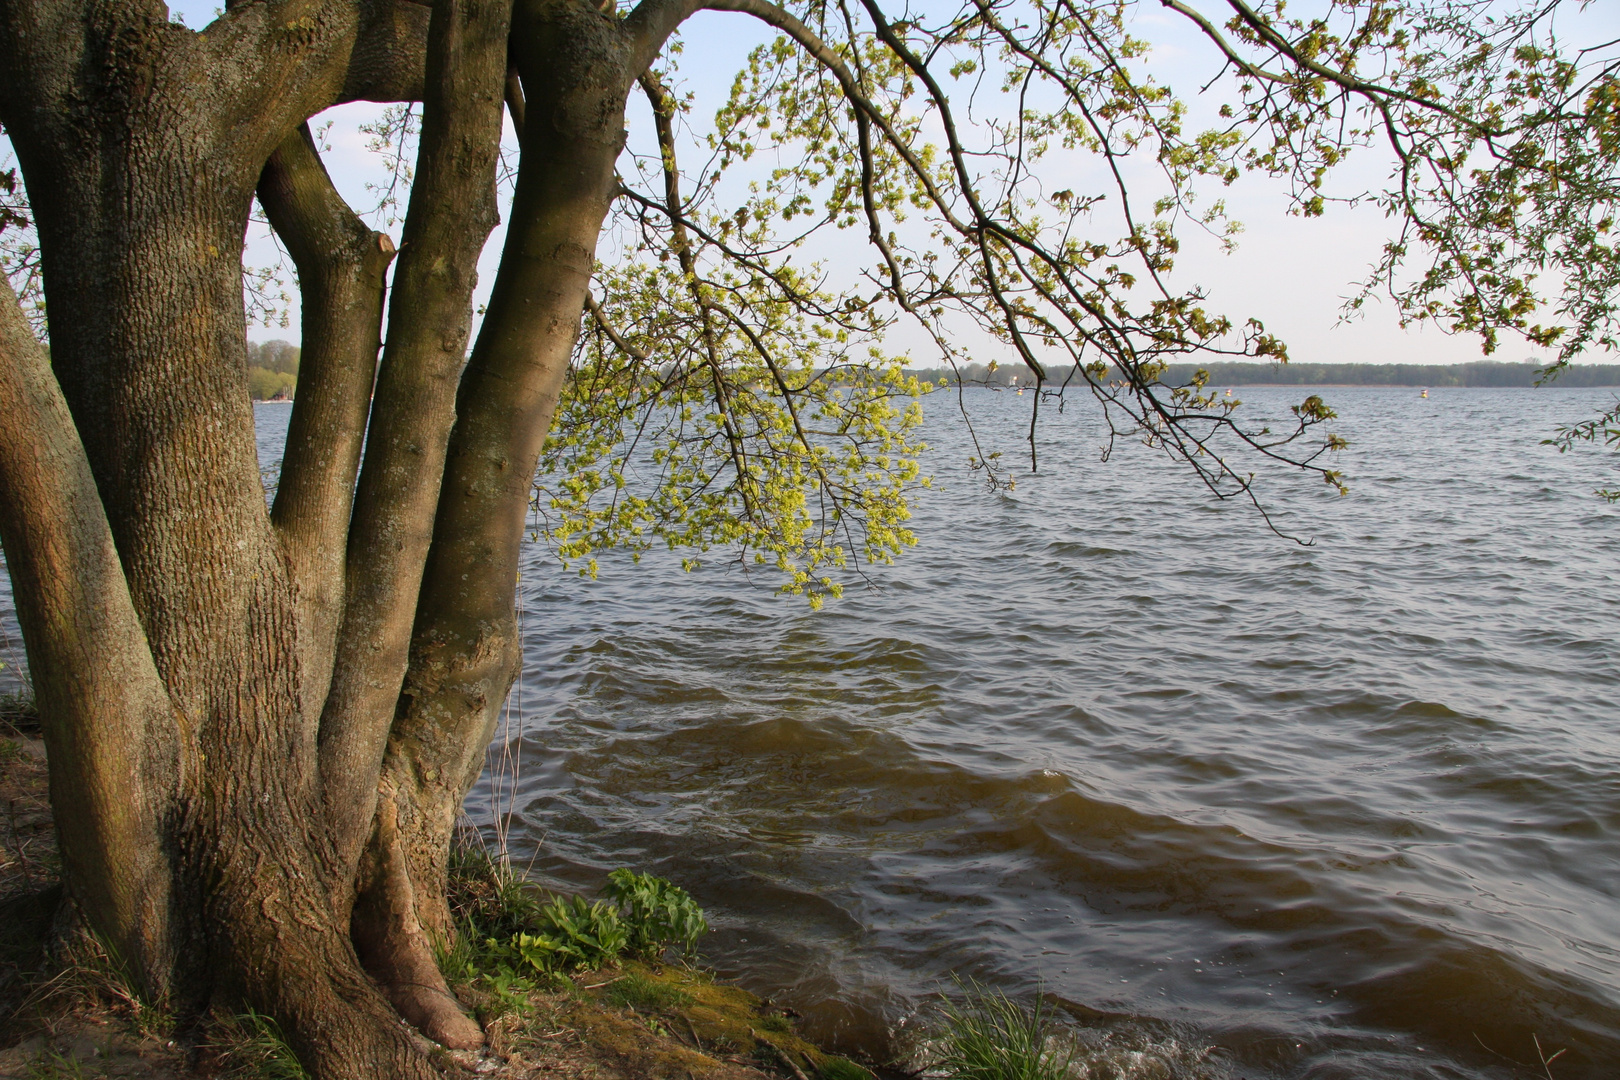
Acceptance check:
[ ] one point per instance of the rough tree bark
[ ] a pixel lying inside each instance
(309, 689)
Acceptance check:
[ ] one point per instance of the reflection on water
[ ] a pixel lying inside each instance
(1242, 808)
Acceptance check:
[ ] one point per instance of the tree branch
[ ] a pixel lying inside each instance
(111, 732)
(451, 212)
(649, 25)
(341, 268)
(389, 61)
(663, 109)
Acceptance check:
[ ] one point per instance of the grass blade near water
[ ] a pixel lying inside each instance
(988, 1036)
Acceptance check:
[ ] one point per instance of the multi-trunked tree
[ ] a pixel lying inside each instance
(262, 723)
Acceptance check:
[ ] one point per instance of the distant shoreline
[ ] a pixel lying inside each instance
(1483, 373)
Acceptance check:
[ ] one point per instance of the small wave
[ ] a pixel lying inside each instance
(1078, 550)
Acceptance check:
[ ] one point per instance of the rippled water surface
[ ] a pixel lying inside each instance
(1250, 808)
(1243, 808)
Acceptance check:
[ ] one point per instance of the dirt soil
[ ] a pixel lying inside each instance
(65, 1015)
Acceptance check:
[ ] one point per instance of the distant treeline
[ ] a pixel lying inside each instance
(1480, 373)
(272, 370)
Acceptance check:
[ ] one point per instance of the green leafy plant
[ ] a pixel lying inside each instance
(506, 929)
(573, 933)
(658, 914)
(508, 992)
(988, 1036)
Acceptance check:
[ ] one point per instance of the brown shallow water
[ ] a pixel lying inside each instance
(1242, 808)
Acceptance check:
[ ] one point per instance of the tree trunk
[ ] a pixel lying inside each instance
(309, 690)
(452, 210)
(140, 143)
(341, 266)
(576, 68)
(97, 689)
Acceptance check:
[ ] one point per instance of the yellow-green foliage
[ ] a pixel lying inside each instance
(264, 384)
(736, 421)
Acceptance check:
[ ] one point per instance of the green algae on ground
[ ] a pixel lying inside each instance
(689, 1008)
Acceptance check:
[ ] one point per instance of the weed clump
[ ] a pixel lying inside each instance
(988, 1036)
(250, 1046)
(78, 973)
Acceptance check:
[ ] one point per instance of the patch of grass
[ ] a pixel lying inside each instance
(250, 1046)
(52, 1065)
(487, 896)
(88, 975)
(638, 991)
(491, 907)
(837, 1068)
(777, 1023)
(988, 1036)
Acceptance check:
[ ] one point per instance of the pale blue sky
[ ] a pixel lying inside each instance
(1291, 272)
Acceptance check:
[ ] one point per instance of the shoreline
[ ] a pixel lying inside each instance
(65, 1012)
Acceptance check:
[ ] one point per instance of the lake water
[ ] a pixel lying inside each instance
(1239, 807)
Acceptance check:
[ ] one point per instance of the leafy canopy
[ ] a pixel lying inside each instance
(1019, 184)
